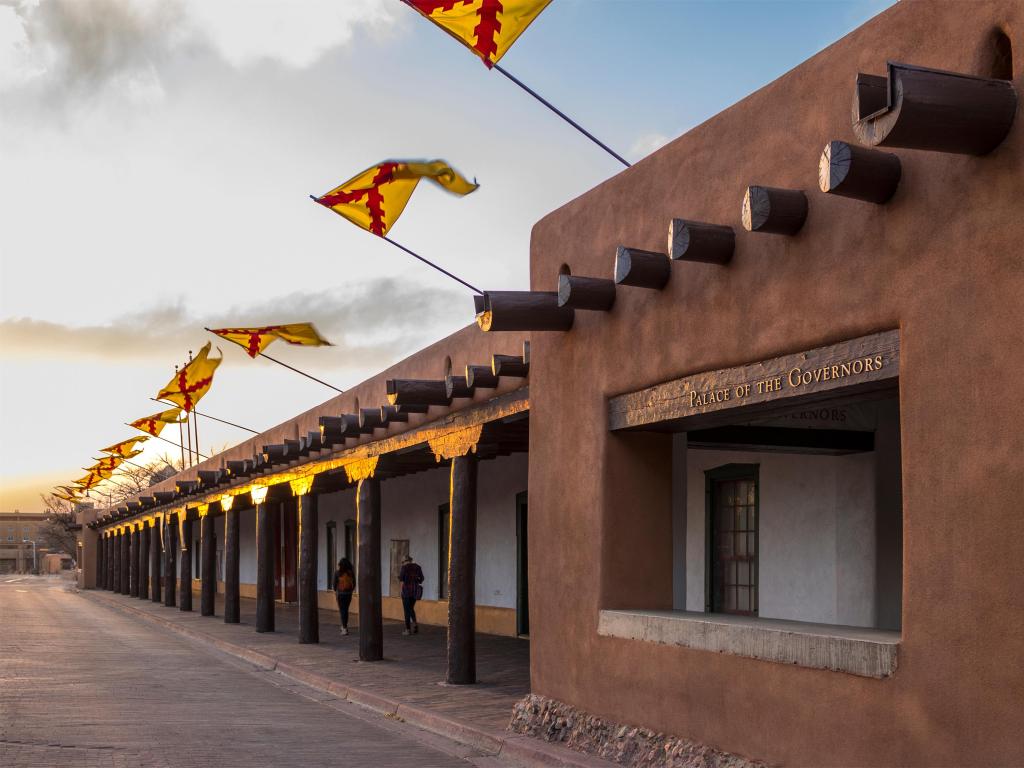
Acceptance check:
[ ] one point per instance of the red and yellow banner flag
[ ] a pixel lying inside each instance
(65, 496)
(67, 493)
(192, 382)
(154, 424)
(376, 197)
(124, 448)
(89, 481)
(255, 340)
(487, 27)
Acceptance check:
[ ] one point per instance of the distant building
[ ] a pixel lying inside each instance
(17, 532)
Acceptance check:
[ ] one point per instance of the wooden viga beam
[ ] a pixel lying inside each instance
(417, 392)
(370, 419)
(858, 173)
(509, 365)
(701, 242)
(239, 467)
(334, 430)
(390, 413)
(164, 497)
(919, 108)
(773, 210)
(593, 293)
(276, 453)
(523, 311)
(641, 269)
(480, 377)
(457, 386)
(209, 477)
(186, 487)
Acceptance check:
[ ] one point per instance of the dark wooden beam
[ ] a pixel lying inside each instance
(641, 269)
(208, 577)
(417, 392)
(309, 612)
(209, 477)
(773, 210)
(480, 377)
(143, 555)
(390, 413)
(932, 109)
(185, 487)
(313, 442)
(524, 311)
(170, 585)
(101, 561)
(185, 565)
(133, 564)
(509, 365)
(113, 567)
(462, 571)
(265, 514)
(370, 419)
(126, 560)
(858, 173)
(155, 552)
(697, 241)
(165, 497)
(240, 467)
(232, 567)
(292, 448)
(408, 408)
(786, 439)
(456, 386)
(275, 454)
(371, 622)
(335, 429)
(594, 293)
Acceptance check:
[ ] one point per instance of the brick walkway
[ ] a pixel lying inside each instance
(412, 671)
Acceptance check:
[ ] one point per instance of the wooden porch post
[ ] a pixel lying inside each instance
(170, 561)
(462, 572)
(309, 612)
(185, 564)
(155, 551)
(144, 562)
(208, 587)
(371, 622)
(126, 559)
(264, 561)
(115, 563)
(101, 563)
(232, 559)
(133, 563)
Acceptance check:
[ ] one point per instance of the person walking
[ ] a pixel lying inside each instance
(411, 577)
(344, 586)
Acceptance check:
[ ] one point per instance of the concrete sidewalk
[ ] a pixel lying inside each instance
(407, 685)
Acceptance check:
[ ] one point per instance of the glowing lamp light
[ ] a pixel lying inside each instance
(301, 486)
(259, 493)
(226, 502)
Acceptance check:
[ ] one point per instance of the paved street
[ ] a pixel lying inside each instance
(84, 685)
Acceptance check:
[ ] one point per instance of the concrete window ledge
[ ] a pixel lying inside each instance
(855, 650)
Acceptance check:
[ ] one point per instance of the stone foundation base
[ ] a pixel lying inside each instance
(627, 745)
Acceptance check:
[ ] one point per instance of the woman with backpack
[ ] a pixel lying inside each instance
(344, 586)
(411, 577)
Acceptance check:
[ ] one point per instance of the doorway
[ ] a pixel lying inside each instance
(732, 522)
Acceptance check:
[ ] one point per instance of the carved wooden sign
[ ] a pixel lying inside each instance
(870, 362)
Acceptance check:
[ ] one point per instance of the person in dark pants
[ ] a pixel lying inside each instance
(344, 586)
(411, 577)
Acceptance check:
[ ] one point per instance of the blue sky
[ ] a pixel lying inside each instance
(155, 158)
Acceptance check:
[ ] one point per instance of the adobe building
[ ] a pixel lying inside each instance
(18, 531)
(762, 408)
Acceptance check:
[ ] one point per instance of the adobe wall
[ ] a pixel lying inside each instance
(942, 262)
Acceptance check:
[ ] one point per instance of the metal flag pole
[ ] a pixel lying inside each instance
(169, 442)
(432, 264)
(273, 360)
(208, 416)
(561, 114)
(181, 441)
(189, 424)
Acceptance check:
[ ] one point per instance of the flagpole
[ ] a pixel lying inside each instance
(432, 264)
(273, 360)
(208, 416)
(196, 428)
(561, 114)
(169, 442)
(181, 441)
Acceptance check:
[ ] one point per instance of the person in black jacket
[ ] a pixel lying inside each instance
(344, 586)
(411, 577)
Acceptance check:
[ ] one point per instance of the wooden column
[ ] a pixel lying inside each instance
(115, 563)
(126, 563)
(170, 561)
(185, 565)
(144, 538)
(232, 560)
(462, 572)
(133, 563)
(371, 622)
(309, 613)
(265, 566)
(101, 563)
(155, 552)
(208, 587)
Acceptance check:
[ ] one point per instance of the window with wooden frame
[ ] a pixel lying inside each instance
(732, 517)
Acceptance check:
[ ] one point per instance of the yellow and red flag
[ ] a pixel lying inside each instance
(64, 495)
(376, 197)
(89, 481)
(487, 27)
(124, 448)
(192, 382)
(154, 424)
(255, 340)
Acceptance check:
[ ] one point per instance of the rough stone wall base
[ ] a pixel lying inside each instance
(628, 745)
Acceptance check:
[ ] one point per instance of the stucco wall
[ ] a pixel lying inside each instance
(942, 263)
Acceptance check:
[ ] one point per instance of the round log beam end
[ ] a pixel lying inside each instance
(641, 269)
(701, 242)
(858, 173)
(773, 210)
(594, 293)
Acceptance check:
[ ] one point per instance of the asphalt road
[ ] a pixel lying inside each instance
(83, 685)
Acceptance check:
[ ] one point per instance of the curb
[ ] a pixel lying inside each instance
(528, 751)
